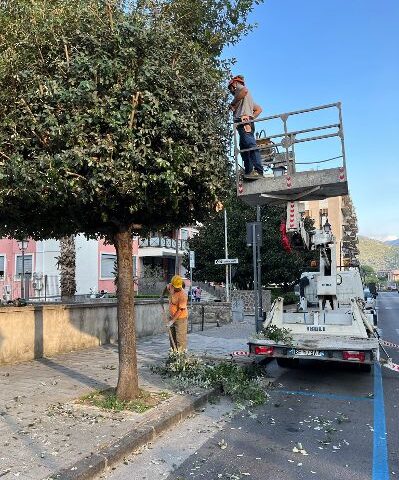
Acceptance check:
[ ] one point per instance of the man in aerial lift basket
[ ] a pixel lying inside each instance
(246, 110)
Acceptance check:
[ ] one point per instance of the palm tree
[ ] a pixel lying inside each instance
(66, 263)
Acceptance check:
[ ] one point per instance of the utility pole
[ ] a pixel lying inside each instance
(226, 255)
(177, 269)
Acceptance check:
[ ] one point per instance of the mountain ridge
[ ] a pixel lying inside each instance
(377, 254)
(393, 243)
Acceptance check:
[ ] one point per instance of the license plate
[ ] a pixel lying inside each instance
(306, 353)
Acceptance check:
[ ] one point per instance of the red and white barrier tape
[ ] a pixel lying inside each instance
(391, 366)
(388, 344)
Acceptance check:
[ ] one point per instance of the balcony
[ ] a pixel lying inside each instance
(163, 243)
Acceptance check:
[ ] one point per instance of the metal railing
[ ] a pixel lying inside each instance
(43, 287)
(270, 145)
(163, 242)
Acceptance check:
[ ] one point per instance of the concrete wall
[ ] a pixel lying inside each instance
(36, 331)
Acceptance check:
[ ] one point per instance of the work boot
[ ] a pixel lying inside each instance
(254, 175)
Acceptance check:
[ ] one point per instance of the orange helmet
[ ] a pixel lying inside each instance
(237, 78)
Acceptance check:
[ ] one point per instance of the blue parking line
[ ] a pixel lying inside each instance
(380, 450)
(330, 396)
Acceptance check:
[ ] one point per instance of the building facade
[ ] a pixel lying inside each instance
(95, 263)
(340, 213)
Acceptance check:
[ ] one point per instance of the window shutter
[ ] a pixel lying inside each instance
(28, 260)
(108, 265)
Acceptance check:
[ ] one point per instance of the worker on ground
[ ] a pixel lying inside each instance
(178, 313)
(246, 110)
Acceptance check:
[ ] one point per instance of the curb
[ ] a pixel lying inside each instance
(158, 422)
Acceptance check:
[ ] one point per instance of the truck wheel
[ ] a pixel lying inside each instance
(288, 362)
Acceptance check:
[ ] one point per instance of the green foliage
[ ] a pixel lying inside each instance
(289, 297)
(378, 255)
(113, 120)
(107, 400)
(277, 334)
(113, 113)
(368, 274)
(278, 266)
(240, 382)
(223, 22)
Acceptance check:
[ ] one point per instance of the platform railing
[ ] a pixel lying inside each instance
(269, 144)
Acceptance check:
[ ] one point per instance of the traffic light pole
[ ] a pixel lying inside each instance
(254, 240)
(259, 265)
(254, 255)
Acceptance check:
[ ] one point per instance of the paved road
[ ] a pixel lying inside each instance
(336, 415)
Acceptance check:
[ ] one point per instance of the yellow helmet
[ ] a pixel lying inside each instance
(177, 281)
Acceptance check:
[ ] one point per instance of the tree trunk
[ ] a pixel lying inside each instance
(67, 265)
(128, 386)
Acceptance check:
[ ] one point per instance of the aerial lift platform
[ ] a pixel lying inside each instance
(287, 177)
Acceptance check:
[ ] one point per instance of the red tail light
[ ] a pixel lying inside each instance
(354, 356)
(262, 350)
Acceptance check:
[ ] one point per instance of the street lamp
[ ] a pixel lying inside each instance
(23, 245)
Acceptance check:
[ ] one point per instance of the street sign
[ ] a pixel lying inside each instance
(226, 261)
(192, 259)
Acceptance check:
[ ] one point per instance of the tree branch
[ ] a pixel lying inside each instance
(28, 108)
(110, 16)
(135, 101)
(67, 55)
(4, 155)
(72, 174)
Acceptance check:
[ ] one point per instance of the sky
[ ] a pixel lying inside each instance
(306, 53)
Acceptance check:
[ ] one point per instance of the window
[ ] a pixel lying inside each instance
(108, 265)
(28, 265)
(323, 213)
(108, 262)
(184, 234)
(2, 266)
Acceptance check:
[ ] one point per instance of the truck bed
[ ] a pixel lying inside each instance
(323, 342)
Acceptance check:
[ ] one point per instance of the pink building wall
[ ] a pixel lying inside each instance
(9, 248)
(108, 284)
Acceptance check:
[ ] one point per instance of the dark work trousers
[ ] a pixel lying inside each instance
(252, 159)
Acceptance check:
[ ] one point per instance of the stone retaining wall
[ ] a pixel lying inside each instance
(246, 299)
(218, 313)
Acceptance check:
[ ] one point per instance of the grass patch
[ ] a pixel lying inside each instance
(240, 382)
(107, 400)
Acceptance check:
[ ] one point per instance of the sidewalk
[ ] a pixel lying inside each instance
(42, 430)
